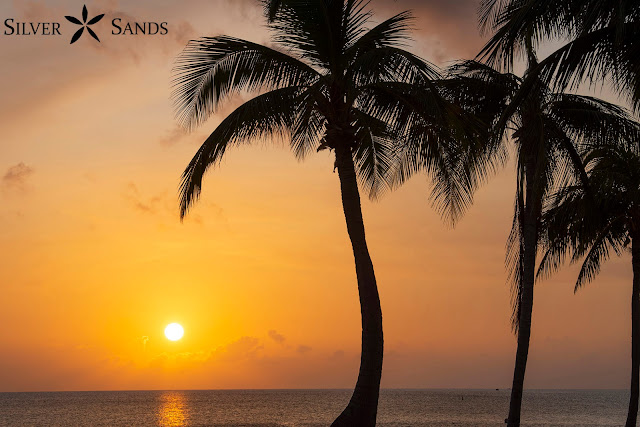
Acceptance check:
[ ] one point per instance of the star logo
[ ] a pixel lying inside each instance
(84, 24)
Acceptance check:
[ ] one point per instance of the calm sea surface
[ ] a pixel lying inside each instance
(307, 408)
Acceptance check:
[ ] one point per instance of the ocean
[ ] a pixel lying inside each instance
(292, 408)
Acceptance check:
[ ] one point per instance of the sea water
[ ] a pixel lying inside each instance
(308, 408)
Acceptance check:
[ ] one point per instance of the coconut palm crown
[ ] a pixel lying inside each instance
(603, 40)
(592, 225)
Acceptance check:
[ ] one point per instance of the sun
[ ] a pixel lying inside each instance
(173, 331)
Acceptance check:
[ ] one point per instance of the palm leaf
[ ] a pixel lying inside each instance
(210, 69)
(268, 115)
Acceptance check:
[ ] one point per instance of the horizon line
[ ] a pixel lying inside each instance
(318, 389)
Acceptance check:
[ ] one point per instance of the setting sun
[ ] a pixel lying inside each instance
(174, 331)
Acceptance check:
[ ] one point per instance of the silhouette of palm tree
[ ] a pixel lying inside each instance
(543, 127)
(332, 83)
(604, 39)
(592, 225)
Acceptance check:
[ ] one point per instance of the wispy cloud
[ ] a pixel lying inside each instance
(274, 335)
(303, 349)
(16, 177)
(173, 136)
(147, 205)
(444, 30)
(144, 340)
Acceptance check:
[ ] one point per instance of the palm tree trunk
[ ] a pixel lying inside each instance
(530, 247)
(632, 415)
(362, 408)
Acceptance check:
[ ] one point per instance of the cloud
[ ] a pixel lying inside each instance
(244, 350)
(173, 136)
(337, 355)
(165, 207)
(117, 46)
(138, 47)
(147, 205)
(144, 340)
(177, 134)
(241, 349)
(274, 335)
(303, 349)
(34, 11)
(444, 30)
(16, 177)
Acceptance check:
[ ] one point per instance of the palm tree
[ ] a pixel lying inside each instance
(603, 39)
(594, 224)
(543, 127)
(329, 82)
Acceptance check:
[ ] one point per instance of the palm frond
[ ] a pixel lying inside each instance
(435, 136)
(518, 22)
(212, 68)
(355, 16)
(271, 7)
(489, 12)
(393, 32)
(592, 225)
(309, 126)
(375, 157)
(390, 64)
(320, 31)
(598, 253)
(610, 53)
(567, 219)
(268, 115)
(590, 120)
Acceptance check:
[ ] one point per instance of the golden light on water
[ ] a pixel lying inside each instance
(173, 331)
(173, 411)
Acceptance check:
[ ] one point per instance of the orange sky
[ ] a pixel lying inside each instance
(94, 262)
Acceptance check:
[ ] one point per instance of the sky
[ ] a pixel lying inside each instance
(94, 261)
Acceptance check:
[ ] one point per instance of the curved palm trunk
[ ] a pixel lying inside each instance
(632, 415)
(362, 408)
(530, 246)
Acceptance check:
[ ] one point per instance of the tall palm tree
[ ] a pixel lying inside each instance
(603, 39)
(594, 224)
(541, 127)
(330, 82)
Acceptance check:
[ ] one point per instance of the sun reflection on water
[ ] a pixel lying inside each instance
(173, 410)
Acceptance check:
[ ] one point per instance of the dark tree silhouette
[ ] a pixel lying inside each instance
(593, 224)
(543, 128)
(330, 82)
(603, 40)
(603, 44)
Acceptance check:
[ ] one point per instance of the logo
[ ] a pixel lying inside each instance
(119, 27)
(84, 24)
